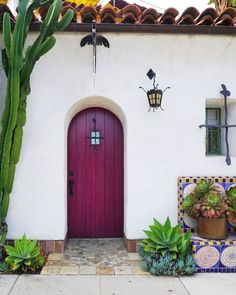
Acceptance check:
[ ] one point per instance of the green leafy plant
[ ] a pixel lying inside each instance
(212, 206)
(4, 267)
(166, 265)
(205, 200)
(189, 205)
(24, 255)
(165, 239)
(231, 202)
(18, 63)
(166, 250)
(203, 187)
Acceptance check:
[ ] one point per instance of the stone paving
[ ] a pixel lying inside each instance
(94, 257)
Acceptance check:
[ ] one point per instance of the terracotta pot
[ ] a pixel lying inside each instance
(212, 228)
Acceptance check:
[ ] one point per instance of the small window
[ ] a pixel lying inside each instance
(95, 137)
(213, 135)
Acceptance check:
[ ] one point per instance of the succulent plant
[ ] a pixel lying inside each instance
(206, 200)
(189, 205)
(18, 65)
(24, 256)
(203, 187)
(165, 239)
(4, 267)
(166, 265)
(212, 206)
(231, 202)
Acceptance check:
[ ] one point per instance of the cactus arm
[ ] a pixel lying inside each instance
(65, 21)
(4, 207)
(14, 103)
(7, 34)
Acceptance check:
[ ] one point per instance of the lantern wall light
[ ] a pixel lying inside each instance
(154, 95)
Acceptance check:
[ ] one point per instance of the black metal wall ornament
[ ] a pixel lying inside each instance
(226, 126)
(94, 40)
(154, 95)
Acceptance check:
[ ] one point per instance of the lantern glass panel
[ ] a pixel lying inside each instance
(95, 137)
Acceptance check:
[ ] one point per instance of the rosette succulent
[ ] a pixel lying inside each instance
(205, 200)
(231, 202)
(189, 205)
(203, 187)
(212, 205)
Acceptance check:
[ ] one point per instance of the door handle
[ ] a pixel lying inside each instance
(71, 187)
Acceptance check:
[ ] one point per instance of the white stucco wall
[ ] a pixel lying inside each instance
(159, 146)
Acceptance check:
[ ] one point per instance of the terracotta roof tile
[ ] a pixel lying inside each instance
(130, 14)
(168, 17)
(188, 16)
(88, 14)
(108, 15)
(226, 18)
(207, 17)
(149, 16)
(135, 14)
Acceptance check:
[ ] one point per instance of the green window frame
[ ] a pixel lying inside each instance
(213, 135)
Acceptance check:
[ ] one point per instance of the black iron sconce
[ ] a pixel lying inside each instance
(154, 95)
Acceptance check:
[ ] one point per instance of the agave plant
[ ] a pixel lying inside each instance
(24, 256)
(212, 206)
(165, 239)
(231, 202)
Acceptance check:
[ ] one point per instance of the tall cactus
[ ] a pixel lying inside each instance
(18, 65)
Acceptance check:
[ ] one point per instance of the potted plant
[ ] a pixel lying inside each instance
(206, 203)
(231, 202)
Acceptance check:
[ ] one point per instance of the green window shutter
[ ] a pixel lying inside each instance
(213, 135)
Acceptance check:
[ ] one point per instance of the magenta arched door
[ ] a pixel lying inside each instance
(95, 175)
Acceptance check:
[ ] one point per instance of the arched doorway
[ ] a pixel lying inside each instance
(95, 175)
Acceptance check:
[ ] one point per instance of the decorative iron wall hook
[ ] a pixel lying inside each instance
(225, 93)
(154, 95)
(94, 40)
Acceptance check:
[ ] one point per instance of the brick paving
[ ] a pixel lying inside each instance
(94, 257)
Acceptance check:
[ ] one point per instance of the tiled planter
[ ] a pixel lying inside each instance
(210, 255)
(215, 256)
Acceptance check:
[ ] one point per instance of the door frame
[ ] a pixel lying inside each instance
(105, 103)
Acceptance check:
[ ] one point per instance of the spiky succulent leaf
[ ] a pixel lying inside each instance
(25, 255)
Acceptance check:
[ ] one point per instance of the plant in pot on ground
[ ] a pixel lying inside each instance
(166, 250)
(206, 204)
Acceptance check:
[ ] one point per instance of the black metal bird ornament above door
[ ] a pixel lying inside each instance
(94, 40)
